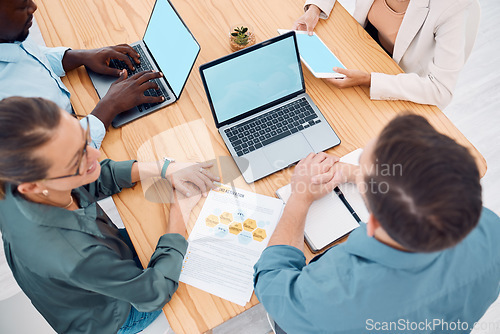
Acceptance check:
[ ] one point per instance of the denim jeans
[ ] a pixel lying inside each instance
(138, 321)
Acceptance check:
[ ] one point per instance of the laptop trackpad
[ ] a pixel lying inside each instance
(287, 151)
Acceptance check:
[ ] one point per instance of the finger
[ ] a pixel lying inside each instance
(299, 25)
(341, 70)
(320, 157)
(106, 70)
(335, 181)
(310, 156)
(337, 82)
(328, 163)
(142, 77)
(182, 188)
(206, 164)
(151, 99)
(310, 29)
(123, 74)
(127, 49)
(193, 190)
(210, 175)
(149, 85)
(329, 186)
(324, 177)
(325, 166)
(123, 57)
(209, 183)
(306, 159)
(197, 181)
(334, 158)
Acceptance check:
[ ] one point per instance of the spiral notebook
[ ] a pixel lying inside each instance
(329, 218)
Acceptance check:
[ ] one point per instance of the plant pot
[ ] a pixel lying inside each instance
(240, 42)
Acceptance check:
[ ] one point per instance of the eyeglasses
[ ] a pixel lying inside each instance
(83, 158)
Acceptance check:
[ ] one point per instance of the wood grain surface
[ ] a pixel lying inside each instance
(186, 131)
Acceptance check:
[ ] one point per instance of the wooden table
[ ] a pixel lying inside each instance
(186, 129)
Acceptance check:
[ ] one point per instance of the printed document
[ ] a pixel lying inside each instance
(232, 230)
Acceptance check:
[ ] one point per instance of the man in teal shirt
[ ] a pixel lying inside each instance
(426, 261)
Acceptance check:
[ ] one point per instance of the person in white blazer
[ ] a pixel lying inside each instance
(432, 44)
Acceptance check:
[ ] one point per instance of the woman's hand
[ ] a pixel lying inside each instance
(308, 21)
(181, 208)
(182, 174)
(352, 78)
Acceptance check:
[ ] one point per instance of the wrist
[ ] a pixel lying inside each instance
(300, 199)
(73, 59)
(313, 9)
(176, 223)
(368, 80)
(106, 111)
(166, 168)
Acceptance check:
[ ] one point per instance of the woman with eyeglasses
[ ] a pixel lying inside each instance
(73, 263)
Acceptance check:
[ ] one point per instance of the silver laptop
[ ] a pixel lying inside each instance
(168, 46)
(259, 104)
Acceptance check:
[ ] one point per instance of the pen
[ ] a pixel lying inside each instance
(346, 203)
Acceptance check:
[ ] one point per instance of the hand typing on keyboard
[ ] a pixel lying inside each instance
(130, 90)
(99, 60)
(126, 93)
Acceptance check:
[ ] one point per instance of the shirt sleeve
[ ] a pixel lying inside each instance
(55, 57)
(97, 130)
(435, 86)
(326, 7)
(280, 287)
(115, 175)
(103, 271)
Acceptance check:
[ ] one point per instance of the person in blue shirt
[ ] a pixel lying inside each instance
(31, 70)
(426, 261)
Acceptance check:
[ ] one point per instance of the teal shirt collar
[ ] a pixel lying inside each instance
(360, 244)
(79, 220)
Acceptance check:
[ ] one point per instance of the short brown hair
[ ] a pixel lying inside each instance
(436, 199)
(26, 124)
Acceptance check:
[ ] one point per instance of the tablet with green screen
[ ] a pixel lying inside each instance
(316, 55)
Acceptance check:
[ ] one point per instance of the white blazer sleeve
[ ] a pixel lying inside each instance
(436, 80)
(326, 6)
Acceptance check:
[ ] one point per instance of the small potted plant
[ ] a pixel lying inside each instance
(241, 36)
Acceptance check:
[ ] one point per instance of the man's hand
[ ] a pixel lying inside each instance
(352, 78)
(306, 170)
(184, 174)
(126, 93)
(290, 229)
(341, 171)
(308, 21)
(98, 59)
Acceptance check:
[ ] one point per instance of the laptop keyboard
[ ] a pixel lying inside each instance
(143, 66)
(272, 126)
